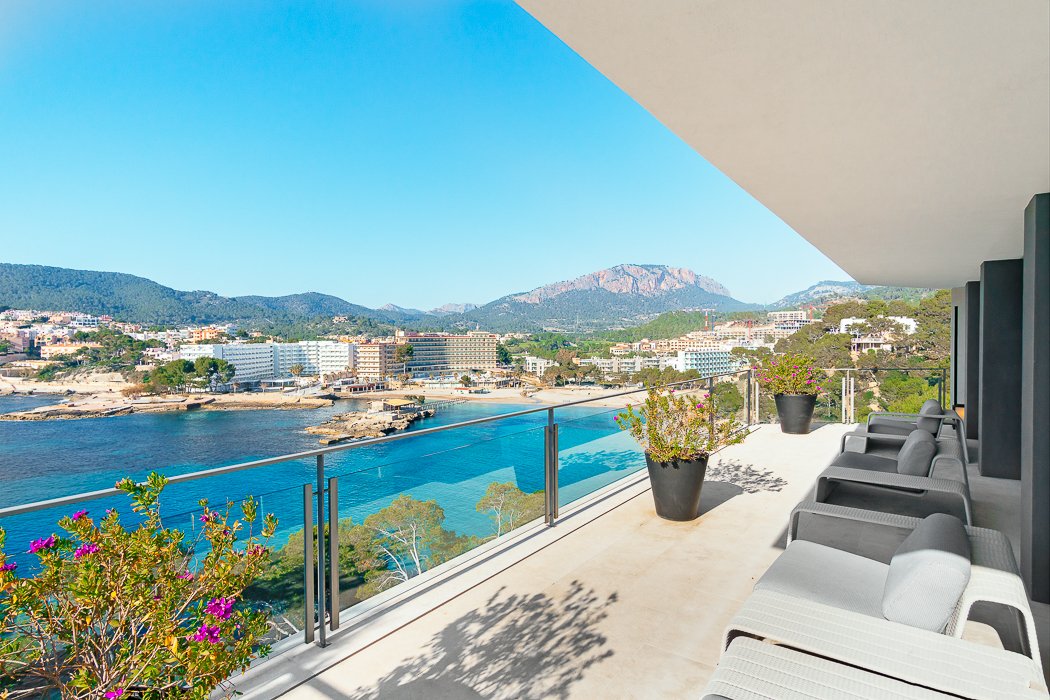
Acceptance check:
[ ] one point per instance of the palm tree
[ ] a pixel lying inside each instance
(296, 371)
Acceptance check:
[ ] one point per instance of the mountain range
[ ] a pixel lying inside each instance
(616, 297)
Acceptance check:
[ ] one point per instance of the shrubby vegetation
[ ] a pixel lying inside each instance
(116, 353)
(145, 611)
(393, 545)
(877, 389)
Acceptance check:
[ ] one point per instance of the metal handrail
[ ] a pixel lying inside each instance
(320, 452)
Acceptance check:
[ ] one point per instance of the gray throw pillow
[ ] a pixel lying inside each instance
(930, 407)
(916, 454)
(928, 574)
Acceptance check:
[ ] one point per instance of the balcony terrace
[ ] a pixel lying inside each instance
(610, 602)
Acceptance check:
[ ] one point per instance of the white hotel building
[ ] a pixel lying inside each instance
(258, 361)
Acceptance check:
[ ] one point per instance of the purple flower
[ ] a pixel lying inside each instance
(208, 517)
(38, 545)
(220, 608)
(79, 514)
(85, 549)
(115, 693)
(185, 576)
(11, 566)
(207, 633)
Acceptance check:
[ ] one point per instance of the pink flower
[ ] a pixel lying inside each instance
(85, 549)
(79, 514)
(220, 608)
(208, 517)
(185, 576)
(38, 545)
(11, 566)
(207, 633)
(115, 693)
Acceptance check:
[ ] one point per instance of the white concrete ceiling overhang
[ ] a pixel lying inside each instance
(903, 138)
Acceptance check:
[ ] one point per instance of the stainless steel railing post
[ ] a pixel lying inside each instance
(322, 599)
(333, 551)
(711, 398)
(550, 469)
(750, 379)
(308, 564)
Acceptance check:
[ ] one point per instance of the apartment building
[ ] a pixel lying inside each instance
(376, 361)
(707, 361)
(317, 357)
(50, 352)
(252, 361)
(434, 354)
(199, 335)
(537, 365)
(258, 361)
(623, 365)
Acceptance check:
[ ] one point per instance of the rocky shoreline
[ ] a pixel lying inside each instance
(357, 425)
(99, 407)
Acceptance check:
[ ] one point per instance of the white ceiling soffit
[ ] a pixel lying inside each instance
(903, 138)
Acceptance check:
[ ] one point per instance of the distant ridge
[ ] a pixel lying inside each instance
(827, 291)
(614, 298)
(137, 299)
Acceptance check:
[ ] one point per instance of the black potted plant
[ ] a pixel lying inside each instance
(678, 432)
(794, 384)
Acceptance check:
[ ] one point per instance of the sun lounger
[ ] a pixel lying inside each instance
(754, 670)
(909, 654)
(994, 574)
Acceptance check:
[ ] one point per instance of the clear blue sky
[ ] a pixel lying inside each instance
(411, 151)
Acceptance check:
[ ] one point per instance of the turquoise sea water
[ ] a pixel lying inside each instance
(47, 459)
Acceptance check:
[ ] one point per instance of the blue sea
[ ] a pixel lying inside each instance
(48, 459)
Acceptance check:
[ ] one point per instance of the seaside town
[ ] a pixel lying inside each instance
(108, 367)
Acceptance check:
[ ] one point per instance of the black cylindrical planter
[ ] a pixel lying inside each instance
(795, 411)
(676, 487)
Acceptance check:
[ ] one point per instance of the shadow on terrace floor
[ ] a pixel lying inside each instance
(516, 647)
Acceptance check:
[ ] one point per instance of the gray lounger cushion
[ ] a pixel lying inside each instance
(926, 420)
(915, 457)
(928, 574)
(830, 576)
(917, 453)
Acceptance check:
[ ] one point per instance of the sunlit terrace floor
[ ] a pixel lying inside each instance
(613, 602)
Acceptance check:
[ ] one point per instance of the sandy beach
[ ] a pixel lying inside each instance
(544, 397)
(100, 395)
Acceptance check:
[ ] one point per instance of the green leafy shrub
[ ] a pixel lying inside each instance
(789, 374)
(673, 426)
(117, 612)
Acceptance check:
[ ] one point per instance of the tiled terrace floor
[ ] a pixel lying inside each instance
(625, 606)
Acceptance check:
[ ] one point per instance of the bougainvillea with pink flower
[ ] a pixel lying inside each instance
(789, 374)
(145, 612)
